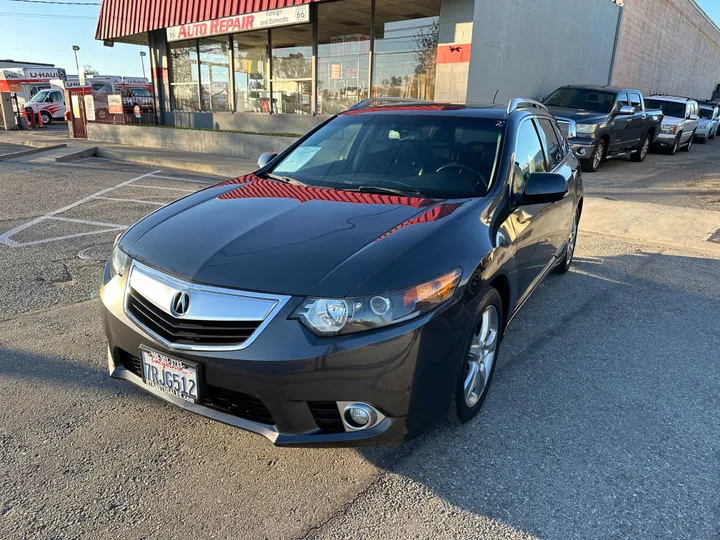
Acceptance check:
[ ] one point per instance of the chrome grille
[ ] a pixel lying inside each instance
(213, 319)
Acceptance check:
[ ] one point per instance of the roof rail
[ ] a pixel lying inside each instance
(524, 103)
(380, 101)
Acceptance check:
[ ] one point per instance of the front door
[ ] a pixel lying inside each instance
(533, 224)
(622, 124)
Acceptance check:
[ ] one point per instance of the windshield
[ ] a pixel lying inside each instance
(40, 96)
(668, 108)
(581, 98)
(433, 156)
(707, 114)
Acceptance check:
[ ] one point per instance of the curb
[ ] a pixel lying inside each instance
(29, 151)
(80, 154)
(221, 170)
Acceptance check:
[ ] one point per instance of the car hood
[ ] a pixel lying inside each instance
(581, 116)
(671, 120)
(267, 236)
(703, 122)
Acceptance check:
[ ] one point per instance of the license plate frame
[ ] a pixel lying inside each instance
(150, 358)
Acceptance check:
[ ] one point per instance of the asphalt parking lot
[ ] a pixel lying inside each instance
(602, 421)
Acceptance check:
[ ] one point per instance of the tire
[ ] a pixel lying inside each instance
(689, 144)
(489, 319)
(46, 117)
(712, 135)
(672, 151)
(566, 263)
(703, 140)
(598, 155)
(641, 153)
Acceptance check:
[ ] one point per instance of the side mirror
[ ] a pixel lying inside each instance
(265, 158)
(542, 99)
(626, 110)
(544, 188)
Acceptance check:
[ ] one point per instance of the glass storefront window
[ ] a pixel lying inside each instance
(252, 72)
(186, 91)
(215, 73)
(343, 54)
(405, 54)
(291, 69)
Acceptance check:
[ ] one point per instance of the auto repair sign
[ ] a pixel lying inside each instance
(241, 23)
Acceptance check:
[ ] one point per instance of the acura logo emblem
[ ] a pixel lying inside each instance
(180, 304)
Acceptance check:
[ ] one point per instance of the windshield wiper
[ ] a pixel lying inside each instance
(383, 191)
(284, 179)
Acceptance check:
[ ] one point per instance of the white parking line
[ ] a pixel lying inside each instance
(166, 188)
(85, 222)
(130, 200)
(6, 238)
(184, 179)
(66, 237)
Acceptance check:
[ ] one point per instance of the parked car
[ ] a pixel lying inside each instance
(680, 120)
(708, 122)
(611, 122)
(355, 288)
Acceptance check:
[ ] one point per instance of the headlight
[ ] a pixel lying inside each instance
(586, 129)
(119, 262)
(668, 128)
(331, 316)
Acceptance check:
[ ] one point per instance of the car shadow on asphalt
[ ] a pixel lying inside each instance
(602, 419)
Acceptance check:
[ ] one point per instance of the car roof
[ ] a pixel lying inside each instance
(598, 87)
(490, 110)
(671, 98)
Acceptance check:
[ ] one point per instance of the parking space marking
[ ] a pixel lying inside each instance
(6, 238)
(129, 200)
(86, 222)
(184, 179)
(166, 188)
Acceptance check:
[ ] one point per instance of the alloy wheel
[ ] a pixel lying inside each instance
(645, 148)
(481, 356)
(570, 250)
(598, 155)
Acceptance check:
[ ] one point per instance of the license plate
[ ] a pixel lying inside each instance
(170, 375)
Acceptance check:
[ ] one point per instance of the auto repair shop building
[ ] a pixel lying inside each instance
(284, 65)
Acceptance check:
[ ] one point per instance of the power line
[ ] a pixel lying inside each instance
(46, 16)
(59, 3)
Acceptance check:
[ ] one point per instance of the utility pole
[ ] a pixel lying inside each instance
(142, 61)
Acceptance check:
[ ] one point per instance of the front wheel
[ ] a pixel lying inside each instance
(674, 147)
(642, 152)
(565, 264)
(478, 365)
(46, 117)
(593, 164)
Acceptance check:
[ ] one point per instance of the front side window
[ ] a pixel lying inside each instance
(529, 157)
(635, 101)
(442, 157)
(556, 155)
(40, 96)
(623, 100)
(668, 108)
(581, 98)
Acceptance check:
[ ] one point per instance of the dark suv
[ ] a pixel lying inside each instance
(355, 288)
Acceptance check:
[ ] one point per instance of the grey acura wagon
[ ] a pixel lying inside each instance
(355, 288)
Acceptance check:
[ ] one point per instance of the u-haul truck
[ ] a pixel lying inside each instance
(35, 92)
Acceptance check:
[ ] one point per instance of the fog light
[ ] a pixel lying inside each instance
(358, 416)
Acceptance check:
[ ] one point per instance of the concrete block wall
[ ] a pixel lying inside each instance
(263, 123)
(204, 142)
(530, 47)
(455, 39)
(667, 46)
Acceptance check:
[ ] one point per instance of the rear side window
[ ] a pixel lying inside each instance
(529, 156)
(552, 143)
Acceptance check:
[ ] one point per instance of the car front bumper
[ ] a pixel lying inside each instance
(583, 146)
(665, 140)
(407, 372)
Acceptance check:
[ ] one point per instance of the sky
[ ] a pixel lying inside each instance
(42, 32)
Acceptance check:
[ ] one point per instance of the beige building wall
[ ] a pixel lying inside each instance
(667, 46)
(454, 47)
